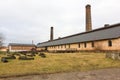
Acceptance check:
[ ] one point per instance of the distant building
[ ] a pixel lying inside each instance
(16, 47)
(3, 48)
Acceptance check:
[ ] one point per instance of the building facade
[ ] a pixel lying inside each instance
(15, 47)
(3, 48)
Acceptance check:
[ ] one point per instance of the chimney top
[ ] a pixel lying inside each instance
(51, 34)
(106, 25)
(88, 5)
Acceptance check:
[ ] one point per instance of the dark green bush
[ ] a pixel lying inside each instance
(4, 60)
(10, 57)
(42, 55)
(25, 58)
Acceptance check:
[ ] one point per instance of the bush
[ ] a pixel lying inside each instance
(30, 54)
(25, 58)
(10, 57)
(17, 54)
(42, 55)
(4, 60)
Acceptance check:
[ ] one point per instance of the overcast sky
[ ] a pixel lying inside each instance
(22, 21)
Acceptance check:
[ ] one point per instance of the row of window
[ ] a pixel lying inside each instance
(79, 45)
(61, 46)
(21, 48)
(85, 44)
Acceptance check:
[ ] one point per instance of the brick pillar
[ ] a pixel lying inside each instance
(88, 18)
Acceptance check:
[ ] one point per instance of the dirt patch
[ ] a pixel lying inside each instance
(103, 74)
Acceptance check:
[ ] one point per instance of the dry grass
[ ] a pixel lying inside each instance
(57, 63)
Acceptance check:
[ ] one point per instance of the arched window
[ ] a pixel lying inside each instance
(109, 43)
(78, 45)
(92, 43)
(61, 46)
(69, 45)
(58, 46)
(85, 44)
(65, 45)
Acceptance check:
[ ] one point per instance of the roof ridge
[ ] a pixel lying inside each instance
(101, 28)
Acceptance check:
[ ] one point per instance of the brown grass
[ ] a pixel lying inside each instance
(57, 63)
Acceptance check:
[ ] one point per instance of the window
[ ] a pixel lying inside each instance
(92, 44)
(110, 43)
(58, 46)
(61, 46)
(79, 45)
(65, 45)
(85, 44)
(69, 45)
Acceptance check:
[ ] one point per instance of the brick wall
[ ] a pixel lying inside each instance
(20, 48)
(93, 45)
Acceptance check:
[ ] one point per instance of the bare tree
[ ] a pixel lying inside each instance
(1, 40)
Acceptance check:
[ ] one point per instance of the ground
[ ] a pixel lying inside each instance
(102, 74)
(58, 66)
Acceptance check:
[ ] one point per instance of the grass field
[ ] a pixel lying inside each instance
(53, 63)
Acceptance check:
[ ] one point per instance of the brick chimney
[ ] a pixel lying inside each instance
(88, 18)
(51, 34)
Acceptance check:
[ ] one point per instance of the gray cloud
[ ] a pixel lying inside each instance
(27, 20)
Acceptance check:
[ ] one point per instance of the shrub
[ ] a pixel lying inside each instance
(42, 55)
(25, 58)
(30, 55)
(4, 60)
(10, 57)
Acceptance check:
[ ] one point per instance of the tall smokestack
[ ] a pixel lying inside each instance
(51, 34)
(88, 18)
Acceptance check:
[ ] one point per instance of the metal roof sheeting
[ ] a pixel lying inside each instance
(98, 34)
(18, 44)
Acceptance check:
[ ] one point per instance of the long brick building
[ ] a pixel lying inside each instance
(17, 47)
(106, 38)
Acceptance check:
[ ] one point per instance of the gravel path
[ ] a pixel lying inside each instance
(103, 74)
